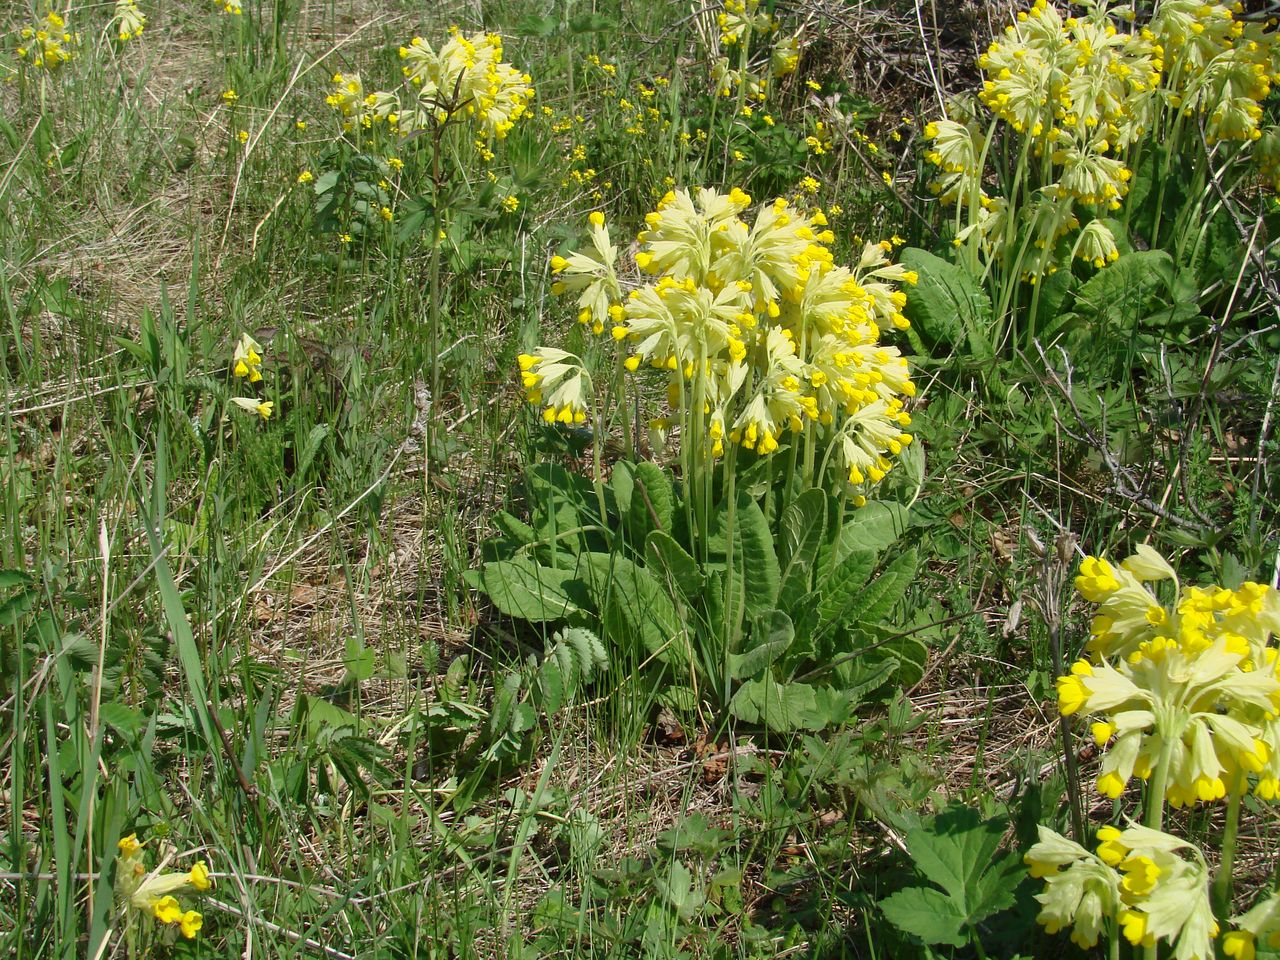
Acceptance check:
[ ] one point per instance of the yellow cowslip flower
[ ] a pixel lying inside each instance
(556, 381)
(784, 57)
(199, 876)
(247, 359)
(1081, 891)
(1155, 884)
(128, 21)
(152, 894)
(347, 96)
(750, 316)
(263, 408)
(229, 6)
(230, 96)
(243, 136)
(740, 19)
(166, 909)
(1260, 924)
(190, 923)
(1128, 614)
(591, 275)
(1201, 679)
(49, 43)
(1090, 176)
(305, 177)
(1096, 244)
(467, 76)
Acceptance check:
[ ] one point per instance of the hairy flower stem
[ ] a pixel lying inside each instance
(1223, 883)
(1064, 728)
(688, 481)
(433, 302)
(1158, 783)
(742, 94)
(695, 440)
(620, 385)
(1155, 808)
(730, 627)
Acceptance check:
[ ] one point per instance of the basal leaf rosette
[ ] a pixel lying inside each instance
(1151, 885)
(760, 338)
(1190, 692)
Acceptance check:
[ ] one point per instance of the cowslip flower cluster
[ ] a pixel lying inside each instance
(49, 43)
(757, 331)
(466, 77)
(1186, 694)
(558, 382)
(739, 24)
(1152, 885)
(1076, 93)
(1221, 68)
(246, 364)
(152, 894)
(128, 21)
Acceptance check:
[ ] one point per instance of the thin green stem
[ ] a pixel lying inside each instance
(1159, 782)
(1223, 883)
(730, 638)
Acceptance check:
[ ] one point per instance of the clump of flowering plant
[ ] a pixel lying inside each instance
(465, 79)
(763, 342)
(1077, 106)
(1185, 697)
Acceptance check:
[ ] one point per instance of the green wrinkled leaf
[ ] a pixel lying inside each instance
(653, 502)
(877, 599)
(14, 578)
(634, 607)
(526, 590)
(756, 577)
(947, 306)
(803, 526)
(844, 585)
(776, 643)
(776, 706)
(672, 565)
(1121, 293)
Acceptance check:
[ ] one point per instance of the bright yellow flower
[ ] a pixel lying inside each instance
(199, 876)
(190, 923)
(262, 408)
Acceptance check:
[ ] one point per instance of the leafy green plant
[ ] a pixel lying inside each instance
(972, 880)
(808, 637)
